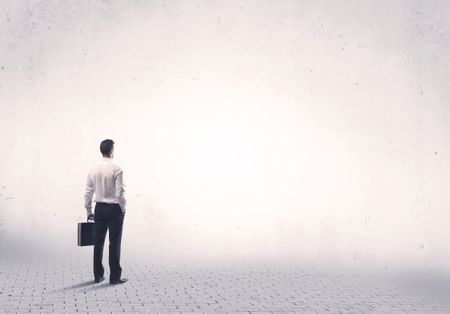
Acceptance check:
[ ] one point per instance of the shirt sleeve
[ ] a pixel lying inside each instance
(88, 194)
(120, 190)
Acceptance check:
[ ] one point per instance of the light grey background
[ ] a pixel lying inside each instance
(246, 129)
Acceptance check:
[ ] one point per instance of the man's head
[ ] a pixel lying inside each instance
(107, 148)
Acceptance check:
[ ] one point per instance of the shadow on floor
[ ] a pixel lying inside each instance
(74, 287)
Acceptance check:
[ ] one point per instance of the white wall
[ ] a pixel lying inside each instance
(312, 129)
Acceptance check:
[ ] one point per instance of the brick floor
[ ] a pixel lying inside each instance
(66, 285)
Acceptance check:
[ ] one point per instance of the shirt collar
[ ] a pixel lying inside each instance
(106, 159)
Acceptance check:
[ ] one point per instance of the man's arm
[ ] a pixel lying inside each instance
(120, 190)
(88, 194)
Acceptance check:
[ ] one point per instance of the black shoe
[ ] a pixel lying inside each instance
(99, 279)
(114, 282)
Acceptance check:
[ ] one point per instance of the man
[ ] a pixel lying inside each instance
(106, 180)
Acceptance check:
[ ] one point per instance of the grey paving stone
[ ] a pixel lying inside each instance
(66, 286)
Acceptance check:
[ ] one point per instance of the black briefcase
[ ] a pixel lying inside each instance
(86, 233)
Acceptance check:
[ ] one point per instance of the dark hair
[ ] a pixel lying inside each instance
(106, 147)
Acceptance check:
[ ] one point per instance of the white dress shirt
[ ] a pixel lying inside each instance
(105, 180)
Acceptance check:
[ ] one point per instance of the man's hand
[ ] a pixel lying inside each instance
(90, 217)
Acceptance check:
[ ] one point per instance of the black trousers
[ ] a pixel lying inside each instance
(108, 216)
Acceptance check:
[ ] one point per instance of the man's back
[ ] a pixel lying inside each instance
(105, 179)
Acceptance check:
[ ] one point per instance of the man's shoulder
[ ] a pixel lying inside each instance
(116, 167)
(101, 165)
